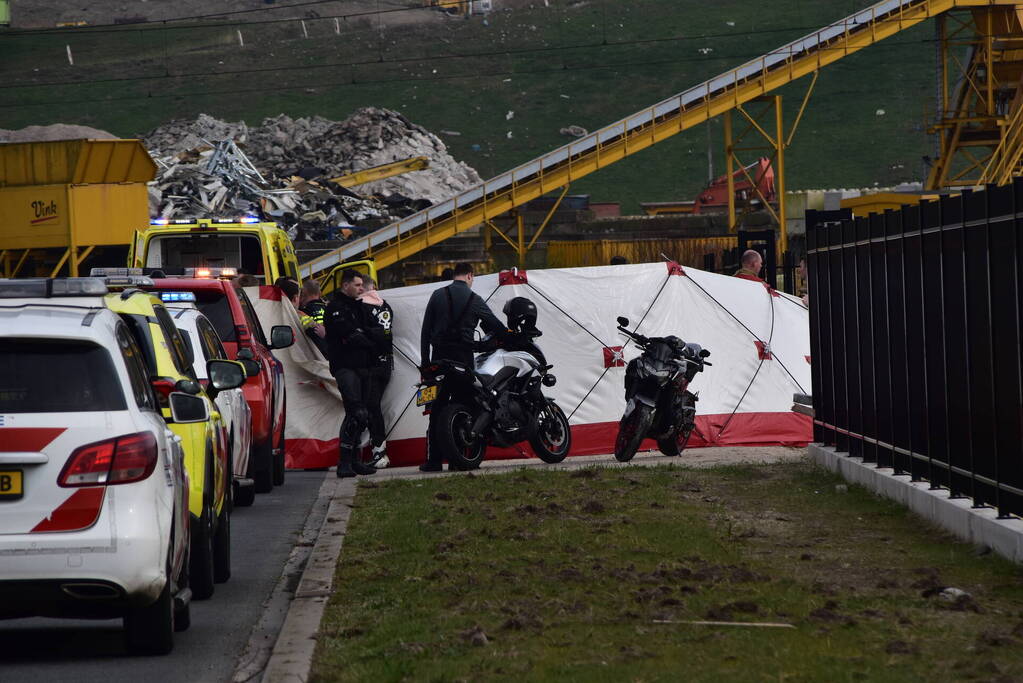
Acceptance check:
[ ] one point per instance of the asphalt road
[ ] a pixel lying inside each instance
(50, 650)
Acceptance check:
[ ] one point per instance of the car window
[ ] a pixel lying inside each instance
(217, 307)
(212, 347)
(194, 250)
(134, 361)
(282, 269)
(174, 343)
(250, 316)
(57, 376)
(138, 325)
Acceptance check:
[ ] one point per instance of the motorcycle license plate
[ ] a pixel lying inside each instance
(426, 395)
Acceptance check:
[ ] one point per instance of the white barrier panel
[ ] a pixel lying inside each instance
(758, 338)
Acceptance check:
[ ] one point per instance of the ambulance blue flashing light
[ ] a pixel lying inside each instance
(177, 297)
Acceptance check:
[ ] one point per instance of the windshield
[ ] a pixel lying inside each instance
(216, 306)
(57, 376)
(195, 250)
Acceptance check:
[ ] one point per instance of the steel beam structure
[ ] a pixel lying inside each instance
(645, 128)
(980, 134)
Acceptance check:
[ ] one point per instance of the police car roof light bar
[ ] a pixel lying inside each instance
(42, 287)
(177, 297)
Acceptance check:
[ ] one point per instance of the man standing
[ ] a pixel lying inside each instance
(380, 373)
(351, 353)
(752, 262)
(312, 306)
(448, 326)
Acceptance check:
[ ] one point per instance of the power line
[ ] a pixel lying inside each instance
(433, 78)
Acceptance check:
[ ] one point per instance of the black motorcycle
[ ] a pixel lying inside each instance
(499, 401)
(659, 404)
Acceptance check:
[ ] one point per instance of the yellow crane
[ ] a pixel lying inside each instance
(368, 175)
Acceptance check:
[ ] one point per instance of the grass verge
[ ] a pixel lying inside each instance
(595, 574)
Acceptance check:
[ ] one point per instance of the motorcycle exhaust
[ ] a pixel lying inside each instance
(481, 423)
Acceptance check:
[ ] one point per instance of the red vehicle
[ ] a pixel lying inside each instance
(234, 318)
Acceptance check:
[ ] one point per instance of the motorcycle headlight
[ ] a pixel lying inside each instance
(549, 380)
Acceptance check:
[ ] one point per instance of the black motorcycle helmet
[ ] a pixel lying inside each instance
(521, 314)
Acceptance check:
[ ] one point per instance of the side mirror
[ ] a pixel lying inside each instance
(623, 321)
(186, 339)
(186, 408)
(704, 353)
(188, 386)
(281, 336)
(251, 367)
(225, 374)
(246, 354)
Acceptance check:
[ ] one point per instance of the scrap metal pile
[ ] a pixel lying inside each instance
(282, 170)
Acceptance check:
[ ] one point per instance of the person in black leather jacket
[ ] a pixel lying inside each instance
(449, 324)
(352, 352)
(450, 320)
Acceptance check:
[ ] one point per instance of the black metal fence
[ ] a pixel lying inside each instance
(915, 330)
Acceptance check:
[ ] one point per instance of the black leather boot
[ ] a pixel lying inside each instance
(344, 464)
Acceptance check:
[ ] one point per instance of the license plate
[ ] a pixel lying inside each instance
(11, 486)
(426, 395)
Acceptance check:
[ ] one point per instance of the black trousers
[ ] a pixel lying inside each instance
(380, 376)
(459, 354)
(356, 387)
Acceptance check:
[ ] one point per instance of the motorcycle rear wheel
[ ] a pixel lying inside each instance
(674, 445)
(631, 431)
(451, 425)
(552, 439)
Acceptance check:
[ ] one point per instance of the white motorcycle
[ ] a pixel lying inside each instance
(498, 402)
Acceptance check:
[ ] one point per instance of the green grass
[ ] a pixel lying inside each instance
(566, 50)
(567, 575)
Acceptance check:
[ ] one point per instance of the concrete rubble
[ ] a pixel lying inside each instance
(280, 169)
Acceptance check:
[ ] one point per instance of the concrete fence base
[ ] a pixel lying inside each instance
(956, 515)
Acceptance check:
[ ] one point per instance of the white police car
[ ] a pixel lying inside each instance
(200, 335)
(93, 490)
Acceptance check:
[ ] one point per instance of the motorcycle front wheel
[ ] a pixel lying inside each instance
(631, 431)
(553, 437)
(452, 424)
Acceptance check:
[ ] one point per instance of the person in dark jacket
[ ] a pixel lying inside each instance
(382, 315)
(312, 306)
(352, 351)
(449, 324)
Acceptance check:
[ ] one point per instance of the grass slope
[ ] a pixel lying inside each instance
(582, 62)
(543, 575)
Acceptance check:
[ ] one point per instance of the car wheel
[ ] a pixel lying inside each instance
(279, 468)
(279, 451)
(222, 547)
(200, 574)
(183, 617)
(244, 496)
(150, 630)
(261, 466)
